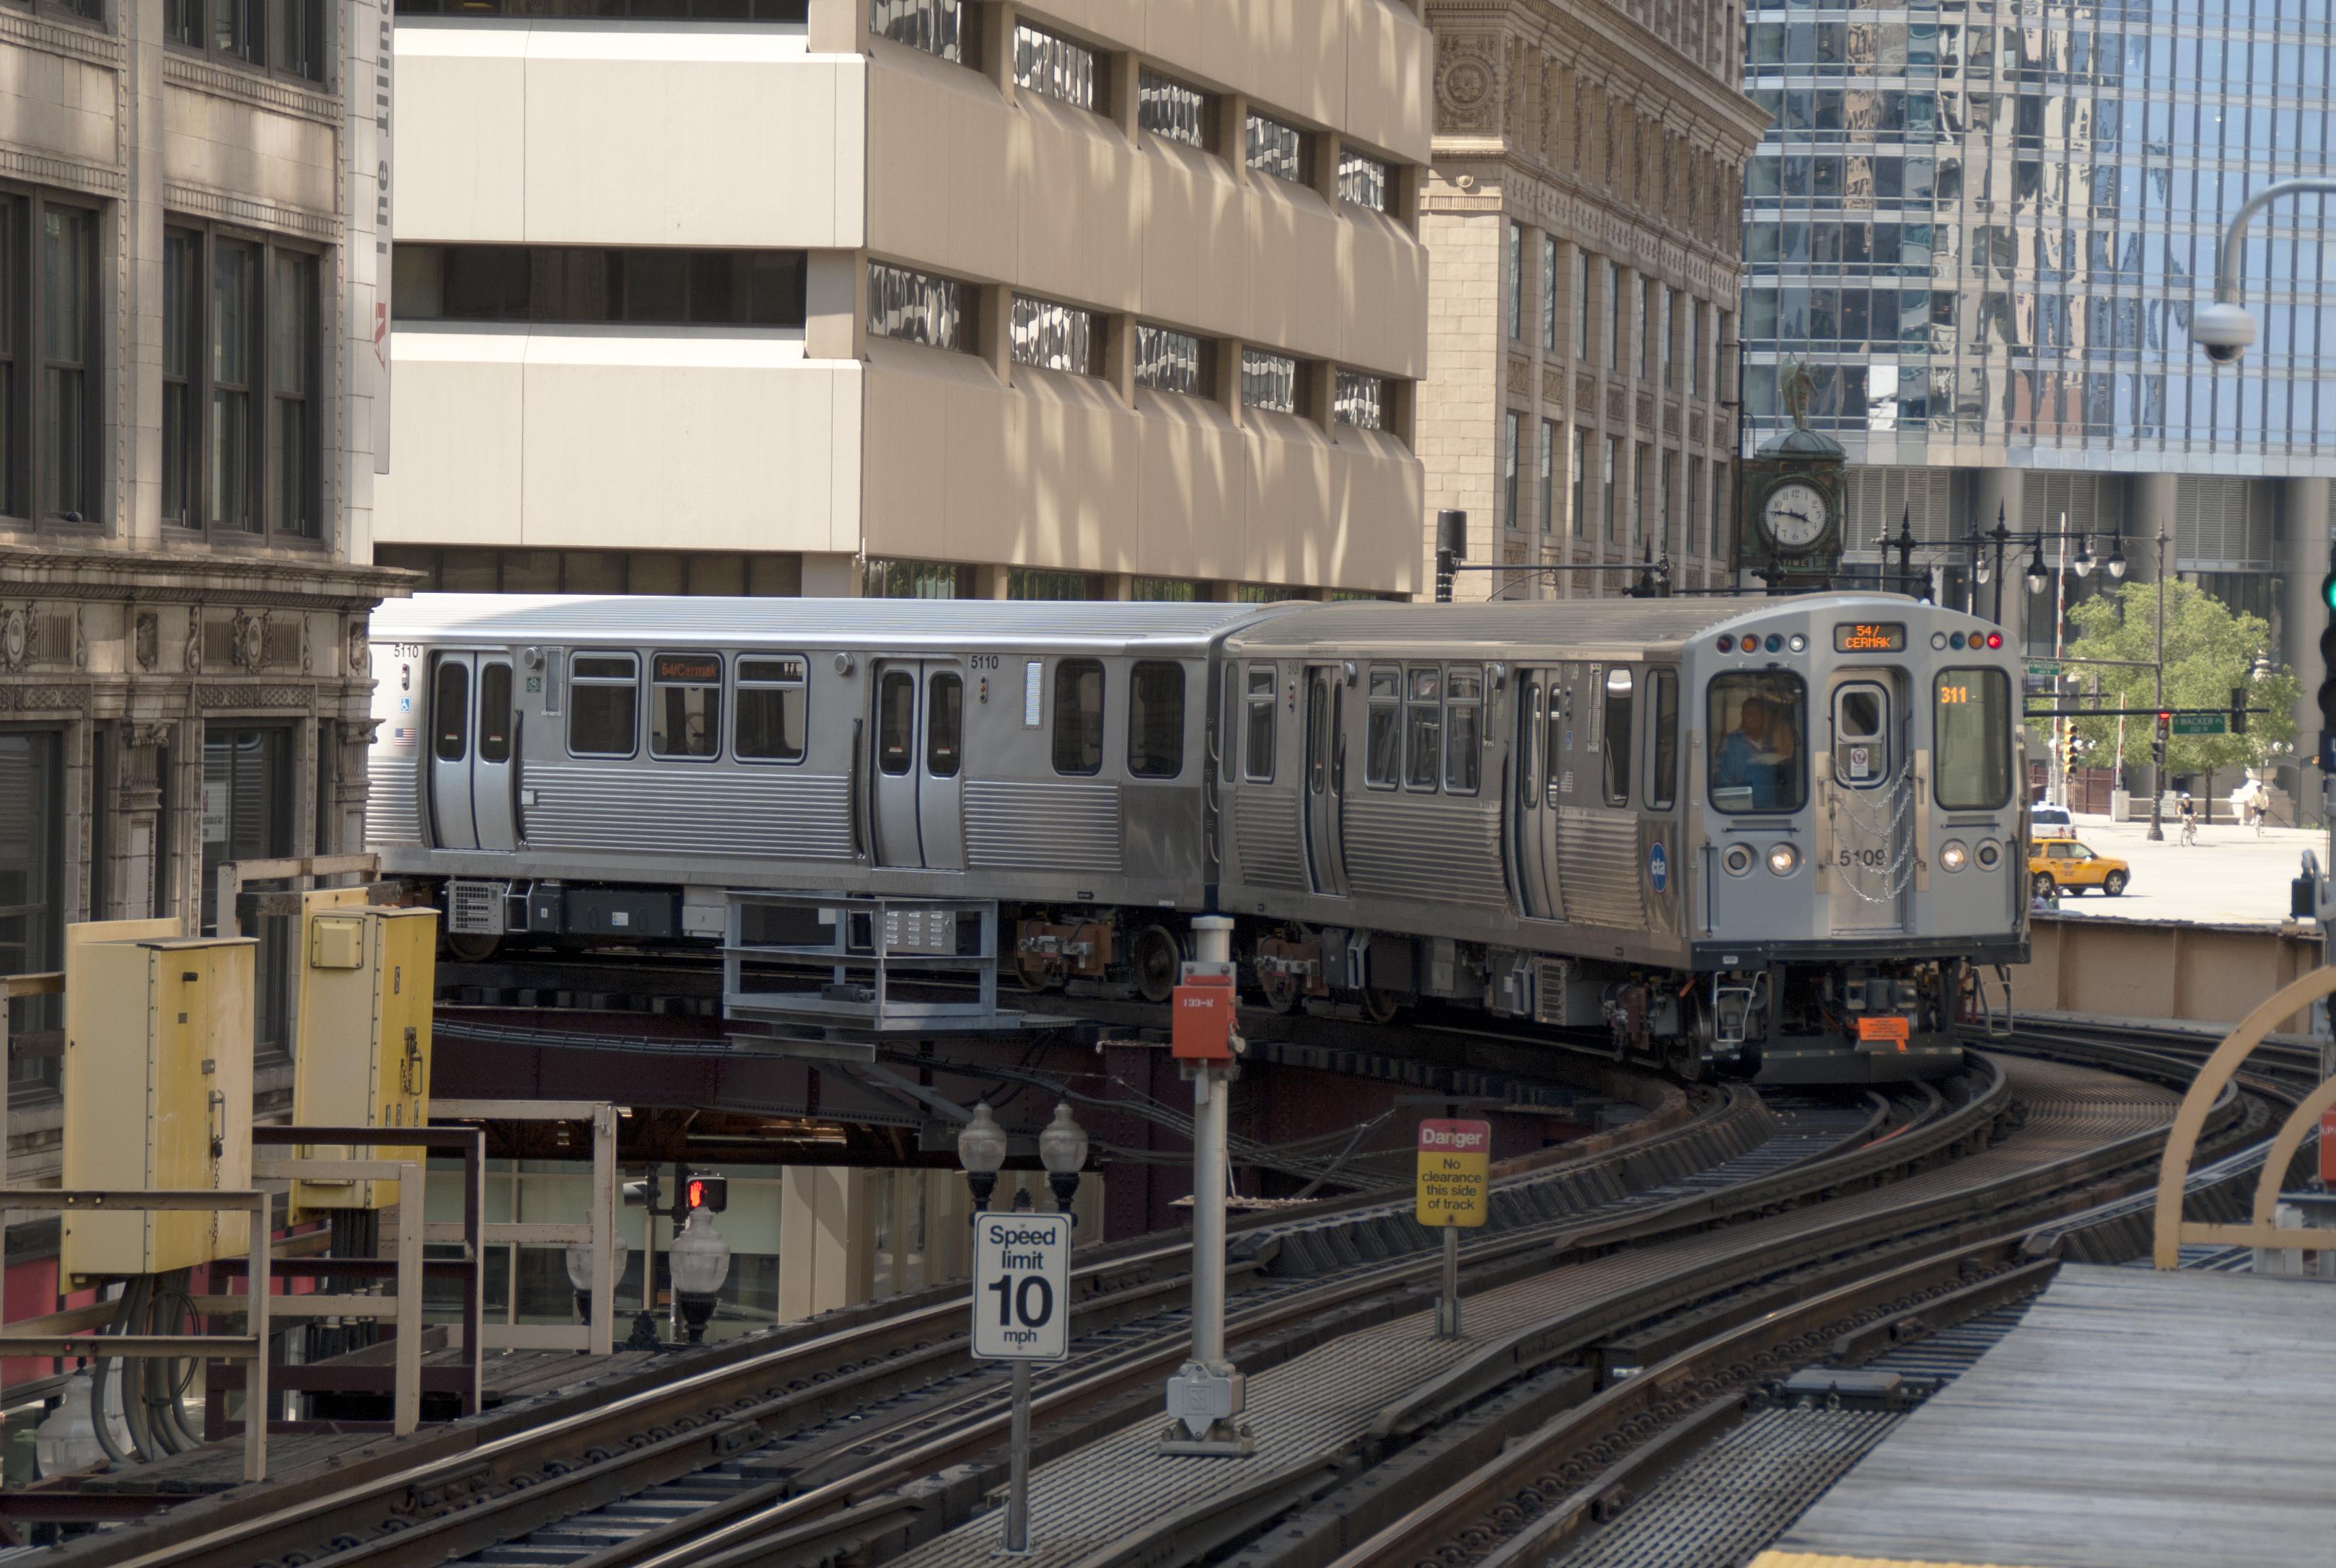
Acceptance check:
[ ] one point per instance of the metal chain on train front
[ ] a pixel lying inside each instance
(1901, 869)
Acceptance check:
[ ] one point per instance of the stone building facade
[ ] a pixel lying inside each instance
(1583, 211)
(193, 202)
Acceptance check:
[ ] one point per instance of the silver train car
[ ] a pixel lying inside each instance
(1779, 837)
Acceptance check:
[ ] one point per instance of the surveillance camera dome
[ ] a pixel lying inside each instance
(2224, 330)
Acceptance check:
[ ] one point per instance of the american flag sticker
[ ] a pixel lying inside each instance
(400, 732)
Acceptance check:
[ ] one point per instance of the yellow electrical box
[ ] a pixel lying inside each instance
(157, 1095)
(362, 1058)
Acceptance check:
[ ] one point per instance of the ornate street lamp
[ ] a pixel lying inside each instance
(2114, 565)
(1063, 1150)
(2083, 564)
(982, 1149)
(699, 1259)
(579, 1270)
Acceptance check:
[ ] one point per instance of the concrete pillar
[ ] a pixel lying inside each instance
(992, 582)
(827, 1241)
(830, 577)
(835, 303)
(1120, 586)
(949, 1219)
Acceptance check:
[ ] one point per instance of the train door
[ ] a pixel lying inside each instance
(1326, 780)
(473, 744)
(1869, 798)
(920, 743)
(1537, 691)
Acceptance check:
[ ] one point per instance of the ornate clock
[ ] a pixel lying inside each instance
(1790, 499)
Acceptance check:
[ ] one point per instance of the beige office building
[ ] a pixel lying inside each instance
(1583, 216)
(1109, 298)
(188, 445)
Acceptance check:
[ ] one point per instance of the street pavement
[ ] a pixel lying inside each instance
(2230, 876)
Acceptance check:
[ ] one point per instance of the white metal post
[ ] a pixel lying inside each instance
(1017, 1485)
(1447, 1310)
(1206, 1396)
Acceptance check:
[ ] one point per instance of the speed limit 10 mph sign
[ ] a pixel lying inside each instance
(1021, 1287)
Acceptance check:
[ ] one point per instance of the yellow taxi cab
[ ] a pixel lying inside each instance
(2066, 866)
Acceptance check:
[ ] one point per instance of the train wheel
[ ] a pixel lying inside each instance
(468, 947)
(1685, 1060)
(1381, 1006)
(1154, 957)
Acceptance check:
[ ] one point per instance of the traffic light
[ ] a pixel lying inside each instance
(2238, 710)
(709, 1193)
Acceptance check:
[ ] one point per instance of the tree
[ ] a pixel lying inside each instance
(2208, 651)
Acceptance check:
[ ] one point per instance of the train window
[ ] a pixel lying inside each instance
(603, 701)
(1156, 720)
(1662, 702)
(1970, 725)
(494, 712)
(1383, 743)
(686, 705)
(1861, 736)
(1257, 742)
(450, 711)
(1463, 712)
(944, 723)
(896, 721)
(1078, 716)
(1757, 719)
(1617, 726)
(1423, 726)
(772, 706)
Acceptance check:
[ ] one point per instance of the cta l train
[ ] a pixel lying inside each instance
(1776, 837)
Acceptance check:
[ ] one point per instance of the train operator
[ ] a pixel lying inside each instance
(1758, 755)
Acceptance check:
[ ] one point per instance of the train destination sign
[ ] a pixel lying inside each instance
(1869, 637)
(1454, 1164)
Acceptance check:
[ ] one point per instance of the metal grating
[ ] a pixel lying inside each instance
(476, 908)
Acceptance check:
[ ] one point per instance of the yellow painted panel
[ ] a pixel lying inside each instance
(364, 1046)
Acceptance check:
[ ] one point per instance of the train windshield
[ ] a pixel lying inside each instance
(1971, 719)
(1756, 721)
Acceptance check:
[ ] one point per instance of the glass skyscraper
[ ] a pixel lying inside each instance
(1983, 227)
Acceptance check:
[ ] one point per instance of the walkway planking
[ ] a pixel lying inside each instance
(2135, 1419)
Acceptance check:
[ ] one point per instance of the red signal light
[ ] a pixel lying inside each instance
(1726, 643)
(1995, 639)
(697, 1194)
(2165, 718)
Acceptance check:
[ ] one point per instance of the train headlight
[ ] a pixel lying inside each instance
(1738, 860)
(1990, 855)
(1952, 854)
(1783, 859)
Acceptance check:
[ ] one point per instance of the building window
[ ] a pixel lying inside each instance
(474, 570)
(1029, 583)
(1642, 343)
(1360, 401)
(1663, 338)
(1549, 477)
(1167, 360)
(1165, 590)
(181, 343)
(1613, 318)
(1268, 380)
(1052, 336)
(287, 35)
(917, 308)
(935, 26)
(584, 286)
(234, 362)
(1663, 503)
(1580, 514)
(1266, 593)
(67, 306)
(1513, 432)
(1642, 496)
(1054, 65)
(1516, 282)
(1581, 304)
(915, 580)
(1277, 148)
(1695, 348)
(1167, 107)
(32, 887)
(292, 374)
(797, 11)
(1363, 182)
(1549, 293)
(1613, 514)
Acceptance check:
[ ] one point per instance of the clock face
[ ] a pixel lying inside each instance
(1794, 515)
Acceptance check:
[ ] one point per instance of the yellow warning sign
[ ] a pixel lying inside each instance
(1455, 1161)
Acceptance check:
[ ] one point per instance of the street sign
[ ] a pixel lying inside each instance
(2201, 724)
(1455, 1165)
(1021, 1287)
(2043, 669)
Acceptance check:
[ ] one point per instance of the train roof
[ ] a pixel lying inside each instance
(1555, 624)
(943, 625)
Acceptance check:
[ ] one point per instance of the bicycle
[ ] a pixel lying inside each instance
(2189, 830)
